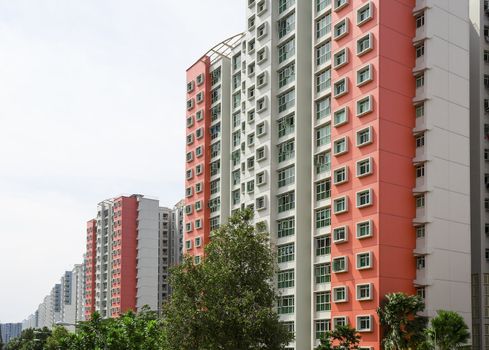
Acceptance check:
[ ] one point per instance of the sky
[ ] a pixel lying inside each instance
(92, 105)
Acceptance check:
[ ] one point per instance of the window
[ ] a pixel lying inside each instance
(286, 51)
(215, 167)
(340, 205)
(285, 279)
(236, 81)
(190, 121)
(286, 151)
(364, 323)
(420, 20)
(251, 93)
(286, 176)
(236, 138)
(364, 291)
(215, 186)
(215, 204)
(421, 292)
(420, 170)
(364, 136)
(340, 321)
(323, 26)
(236, 157)
(364, 106)
(340, 234)
(340, 175)
(340, 146)
(198, 187)
(190, 156)
(322, 273)
(286, 202)
(286, 100)
(236, 99)
(340, 264)
(322, 162)
(199, 133)
(251, 139)
(340, 58)
(419, 110)
(322, 4)
(261, 178)
(286, 125)
(260, 203)
(420, 50)
(286, 305)
(283, 5)
(323, 135)
(323, 301)
(321, 327)
(364, 14)
(286, 25)
(199, 169)
(188, 244)
(364, 44)
(198, 206)
(251, 114)
(190, 86)
(340, 294)
(261, 129)
(340, 88)
(285, 253)
(215, 95)
(214, 223)
(364, 260)
(261, 80)
(420, 231)
(340, 117)
(261, 105)
(188, 226)
(323, 107)
(339, 4)
(198, 226)
(364, 75)
(323, 53)
(261, 31)
(364, 198)
(323, 81)
(340, 29)
(286, 75)
(251, 23)
(215, 76)
(200, 79)
(216, 149)
(420, 140)
(250, 186)
(323, 190)
(322, 245)
(198, 241)
(364, 229)
(190, 139)
(199, 115)
(323, 217)
(236, 196)
(420, 81)
(286, 227)
(189, 174)
(364, 167)
(420, 201)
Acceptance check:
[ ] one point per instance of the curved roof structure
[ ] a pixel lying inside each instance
(223, 49)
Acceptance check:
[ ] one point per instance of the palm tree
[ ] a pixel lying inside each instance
(403, 327)
(448, 330)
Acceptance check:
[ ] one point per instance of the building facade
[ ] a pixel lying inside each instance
(9, 331)
(344, 124)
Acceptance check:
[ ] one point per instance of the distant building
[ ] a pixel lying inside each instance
(10, 331)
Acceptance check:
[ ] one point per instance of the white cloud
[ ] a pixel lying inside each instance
(91, 106)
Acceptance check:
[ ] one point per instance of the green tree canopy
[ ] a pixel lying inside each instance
(30, 339)
(227, 301)
(345, 338)
(403, 327)
(448, 331)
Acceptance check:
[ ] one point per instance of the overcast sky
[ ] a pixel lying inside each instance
(92, 105)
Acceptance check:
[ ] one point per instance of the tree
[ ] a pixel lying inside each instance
(228, 300)
(403, 327)
(30, 339)
(60, 339)
(345, 337)
(1, 339)
(448, 331)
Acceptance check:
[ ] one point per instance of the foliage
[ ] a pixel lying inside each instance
(30, 339)
(448, 331)
(1, 339)
(227, 301)
(344, 336)
(403, 327)
(129, 331)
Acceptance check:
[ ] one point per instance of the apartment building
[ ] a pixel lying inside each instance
(344, 124)
(479, 158)
(9, 331)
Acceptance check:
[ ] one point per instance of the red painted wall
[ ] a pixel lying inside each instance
(392, 151)
(200, 67)
(124, 250)
(91, 249)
